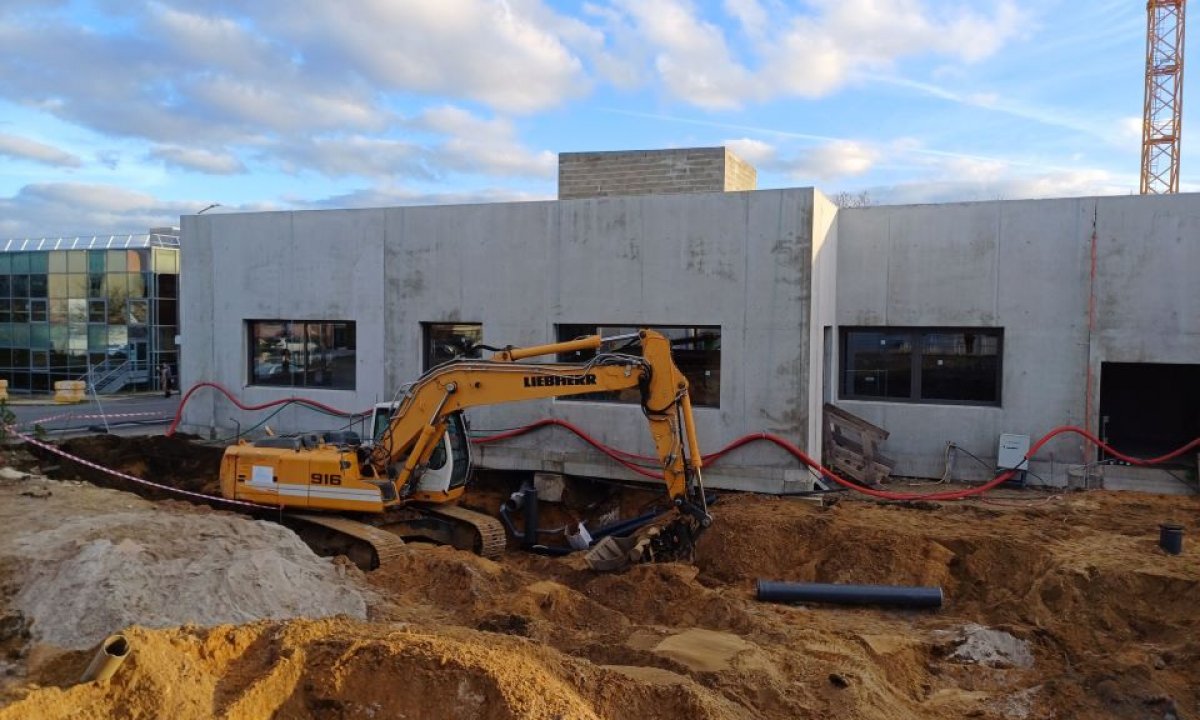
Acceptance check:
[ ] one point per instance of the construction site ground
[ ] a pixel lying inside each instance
(1056, 606)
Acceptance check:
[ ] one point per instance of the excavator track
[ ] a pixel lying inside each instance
(490, 536)
(377, 541)
(367, 546)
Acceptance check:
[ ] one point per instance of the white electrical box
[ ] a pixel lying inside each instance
(1011, 455)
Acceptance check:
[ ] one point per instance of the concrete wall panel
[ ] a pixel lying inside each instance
(1019, 266)
(471, 263)
(1148, 279)
(268, 266)
(942, 266)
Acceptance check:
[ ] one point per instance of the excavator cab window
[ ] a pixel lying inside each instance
(438, 459)
(380, 420)
(460, 447)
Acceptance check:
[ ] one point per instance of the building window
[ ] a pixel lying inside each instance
(450, 341)
(695, 349)
(935, 365)
(301, 353)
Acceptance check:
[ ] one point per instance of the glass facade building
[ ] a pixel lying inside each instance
(102, 309)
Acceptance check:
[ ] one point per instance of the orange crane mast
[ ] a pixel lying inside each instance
(1163, 112)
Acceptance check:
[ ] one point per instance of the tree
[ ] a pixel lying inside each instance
(853, 200)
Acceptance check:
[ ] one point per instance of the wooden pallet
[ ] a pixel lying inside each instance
(851, 447)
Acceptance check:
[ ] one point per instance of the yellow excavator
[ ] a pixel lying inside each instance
(359, 500)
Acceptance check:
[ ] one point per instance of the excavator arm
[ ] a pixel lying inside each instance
(420, 419)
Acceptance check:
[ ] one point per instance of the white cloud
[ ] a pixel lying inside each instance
(959, 181)
(355, 155)
(79, 209)
(816, 54)
(994, 101)
(692, 57)
(204, 161)
(475, 145)
(1129, 129)
(755, 152)
(832, 161)
(974, 171)
(23, 148)
(809, 52)
(389, 196)
(437, 141)
(750, 14)
(499, 53)
(883, 31)
(257, 106)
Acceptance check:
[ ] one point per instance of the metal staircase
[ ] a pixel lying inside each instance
(114, 374)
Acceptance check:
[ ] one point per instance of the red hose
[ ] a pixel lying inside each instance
(620, 456)
(610, 452)
(826, 472)
(302, 401)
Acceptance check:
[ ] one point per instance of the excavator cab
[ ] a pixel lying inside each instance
(449, 465)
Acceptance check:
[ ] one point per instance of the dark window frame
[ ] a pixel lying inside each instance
(699, 398)
(430, 358)
(314, 368)
(916, 339)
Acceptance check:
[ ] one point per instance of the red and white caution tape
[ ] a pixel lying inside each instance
(126, 476)
(73, 416)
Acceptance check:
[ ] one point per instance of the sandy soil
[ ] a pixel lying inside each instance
(1056, 607)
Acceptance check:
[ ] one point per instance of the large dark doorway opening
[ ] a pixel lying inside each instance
(1149, 409)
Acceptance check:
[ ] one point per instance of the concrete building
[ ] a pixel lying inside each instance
(103, 309)
(942, 323)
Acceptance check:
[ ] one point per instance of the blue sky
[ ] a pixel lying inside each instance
(119, 115)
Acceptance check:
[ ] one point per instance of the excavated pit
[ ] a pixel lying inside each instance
(1056, 607)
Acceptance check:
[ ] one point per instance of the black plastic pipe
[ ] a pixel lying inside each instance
(530, 505)
(1170, 538)
(905, 596)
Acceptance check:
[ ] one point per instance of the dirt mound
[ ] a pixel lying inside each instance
(81, 562)
(1055, 607)
(352, 670)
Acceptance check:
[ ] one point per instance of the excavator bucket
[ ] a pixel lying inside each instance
(674, 541)
(613, 553)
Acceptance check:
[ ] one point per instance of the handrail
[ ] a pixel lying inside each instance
(110, 376)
